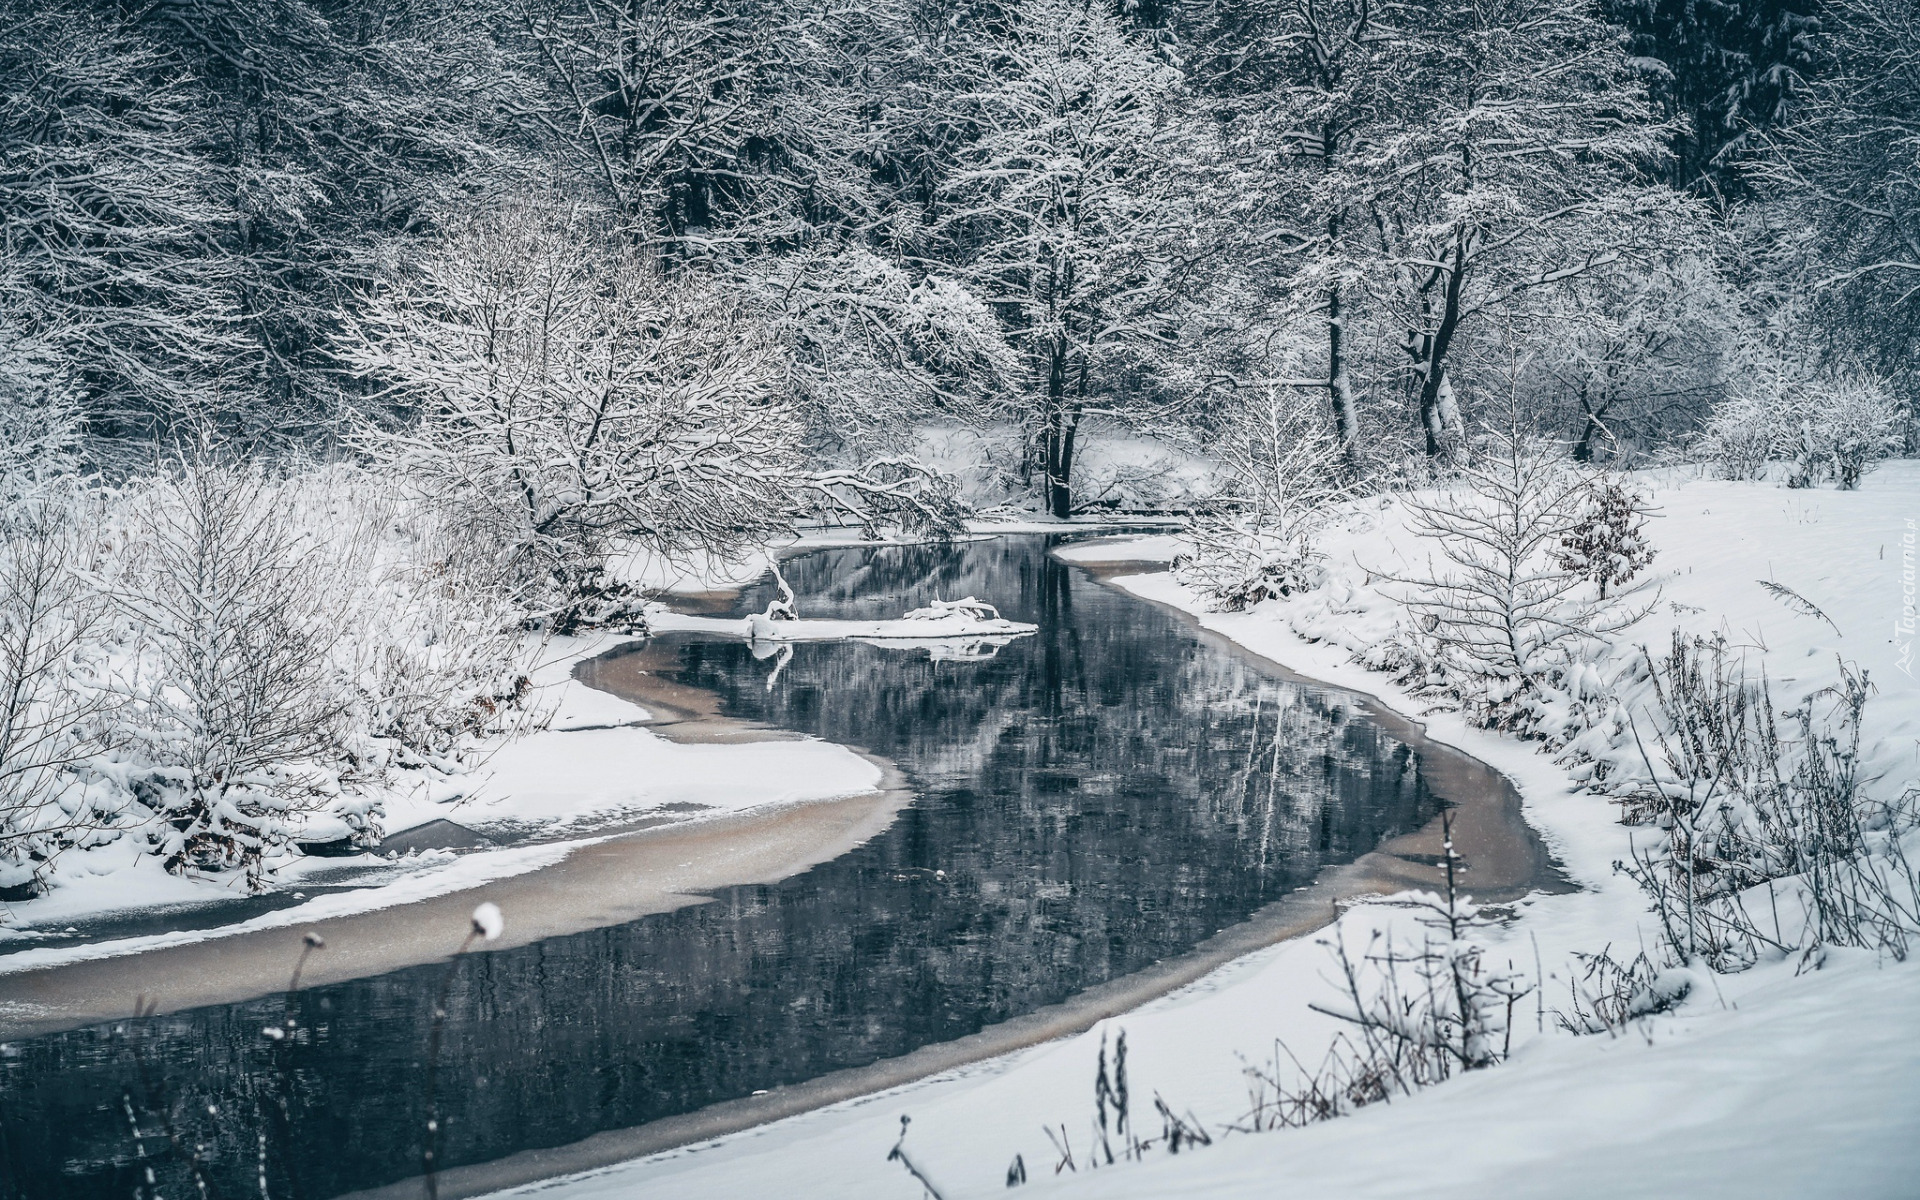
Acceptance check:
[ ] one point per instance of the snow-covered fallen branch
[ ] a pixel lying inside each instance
(959, 619)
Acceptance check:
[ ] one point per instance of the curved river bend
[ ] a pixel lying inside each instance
(1106, 794)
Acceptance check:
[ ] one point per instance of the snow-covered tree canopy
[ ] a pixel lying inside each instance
(548, 375)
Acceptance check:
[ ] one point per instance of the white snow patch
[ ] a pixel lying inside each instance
(1157, 547)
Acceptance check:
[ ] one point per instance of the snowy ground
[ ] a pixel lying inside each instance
(591, 767)
(1783, 1081)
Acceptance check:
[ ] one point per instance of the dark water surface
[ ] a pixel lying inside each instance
(1091, 799)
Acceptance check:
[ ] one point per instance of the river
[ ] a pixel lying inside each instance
(1089, 801)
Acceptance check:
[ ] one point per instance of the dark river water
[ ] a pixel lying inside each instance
(1102, 795)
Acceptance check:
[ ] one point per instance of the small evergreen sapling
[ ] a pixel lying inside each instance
(1607, 542)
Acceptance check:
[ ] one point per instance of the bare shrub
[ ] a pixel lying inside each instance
(1417, 1014)
(1114, 1135)
(52, 693)
(1770, 845)
(1608, 995)
(1284, 477)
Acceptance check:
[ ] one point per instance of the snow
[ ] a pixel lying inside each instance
(757, 628)
(592, 766)
(597, 775)
(419, 877)
(1791, 1079)
(488, 922)
(1155, 548)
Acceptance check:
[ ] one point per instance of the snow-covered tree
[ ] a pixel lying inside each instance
(1064, 209)
(1503, 608)
(1847, 162)
(52, 692)
(658, 107)
(332, 129)
(1283, 478)
(112, 217)
(1734, 68)
(1635, 357)
(1606, 544)
(552, 383)
(875, 348)
(1423, 168)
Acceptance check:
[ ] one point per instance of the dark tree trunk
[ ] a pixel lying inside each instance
(1430, 350)
(1583, 449)
(1060, 440)
(1061, 426)
(1346, 422)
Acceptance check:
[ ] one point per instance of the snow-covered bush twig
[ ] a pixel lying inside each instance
(1285, 476)
(1834, 425)
(52, 696)
(1770, 845)
(235, 690)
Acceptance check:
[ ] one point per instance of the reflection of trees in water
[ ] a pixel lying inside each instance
(1106, 793)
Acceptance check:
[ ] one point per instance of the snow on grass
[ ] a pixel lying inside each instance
(1777, 1082)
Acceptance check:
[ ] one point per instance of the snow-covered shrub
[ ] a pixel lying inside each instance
(564, 394)
(433, 647)
(234, 694)
(39, 420)
(1769, 842)
(1608, 994)
(1607, 544)
(217, 660)
(1856, 422)
(52, 698)
(1741, 438)
(1419, 1010)
(1833, 425)
(1503, 613)
(1283, 472)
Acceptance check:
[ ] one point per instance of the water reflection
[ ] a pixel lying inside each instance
(1101, 795)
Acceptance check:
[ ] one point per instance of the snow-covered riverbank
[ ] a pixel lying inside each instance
(1781, 1081)
(593, 768)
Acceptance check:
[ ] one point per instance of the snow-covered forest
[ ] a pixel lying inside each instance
(366, 368)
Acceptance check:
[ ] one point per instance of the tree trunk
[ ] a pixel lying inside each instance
(1430, 351)
(1346, 422)
(1583, 449)
(1060, 438)
(1060, 430)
